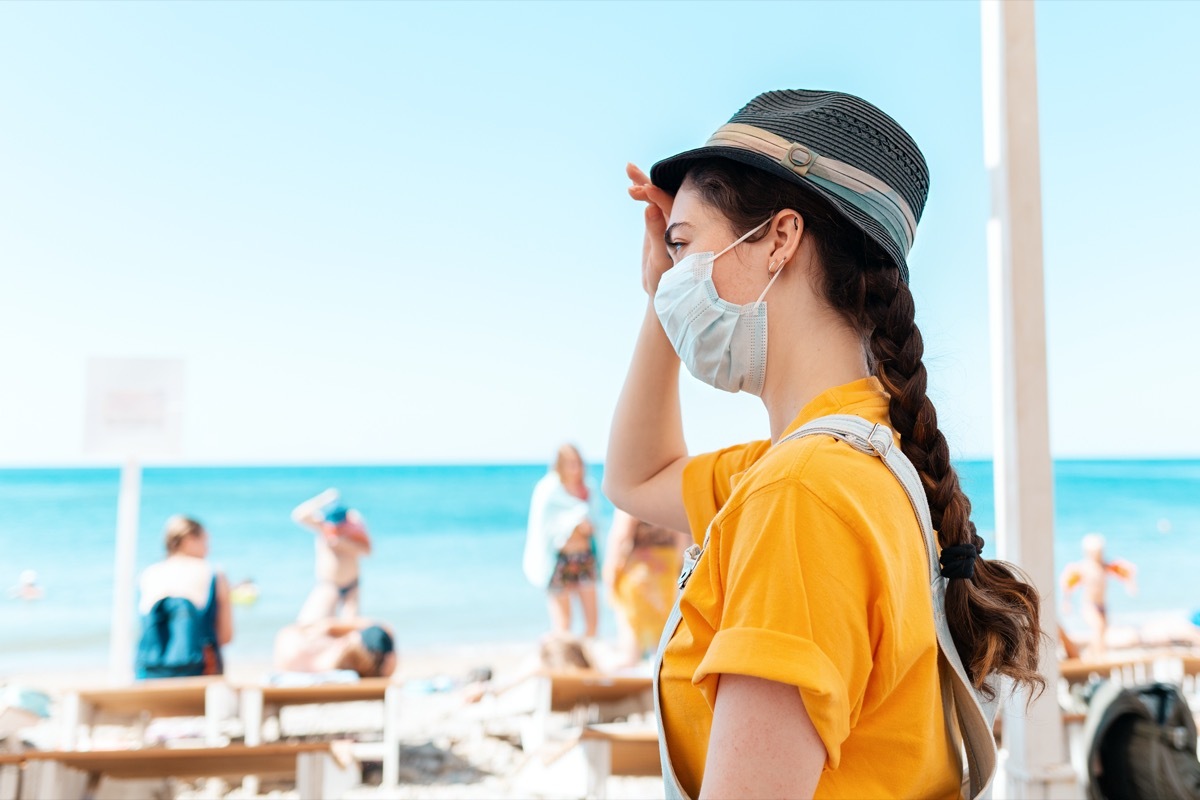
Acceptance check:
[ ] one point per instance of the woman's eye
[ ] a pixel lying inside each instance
(674, 247)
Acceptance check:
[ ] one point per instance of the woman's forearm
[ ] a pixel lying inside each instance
(647, 430)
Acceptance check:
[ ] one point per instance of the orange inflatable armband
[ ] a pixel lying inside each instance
(1122, 569)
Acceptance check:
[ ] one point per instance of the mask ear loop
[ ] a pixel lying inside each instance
(743, 238)
(770, 283)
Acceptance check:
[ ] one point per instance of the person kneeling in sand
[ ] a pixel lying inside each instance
(341, 541)
(362, 645)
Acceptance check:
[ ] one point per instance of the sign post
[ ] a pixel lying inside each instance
(134, 411)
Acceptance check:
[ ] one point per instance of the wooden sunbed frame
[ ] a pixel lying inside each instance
(205, 696)
(618, 749)
(257, 700)
(321, 768)
(166, 697)
(1079, 670)
(567, 690)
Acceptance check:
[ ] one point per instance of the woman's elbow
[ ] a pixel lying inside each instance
(616, 492)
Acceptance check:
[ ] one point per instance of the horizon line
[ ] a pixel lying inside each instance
(101, 464)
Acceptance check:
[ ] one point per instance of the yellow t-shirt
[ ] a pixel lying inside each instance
(815, 576)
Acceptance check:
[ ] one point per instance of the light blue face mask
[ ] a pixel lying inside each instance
(720, 343)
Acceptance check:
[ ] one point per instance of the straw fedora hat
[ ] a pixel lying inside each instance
(835, 145)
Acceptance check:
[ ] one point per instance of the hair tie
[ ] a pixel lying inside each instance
(958, 561)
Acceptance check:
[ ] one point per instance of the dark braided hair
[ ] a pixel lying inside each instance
(993, 614)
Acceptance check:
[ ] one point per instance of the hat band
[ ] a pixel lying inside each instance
(860, 189)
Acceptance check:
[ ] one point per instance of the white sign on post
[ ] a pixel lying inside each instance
(134, 411)
(134, 407)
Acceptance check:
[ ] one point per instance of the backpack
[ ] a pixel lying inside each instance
(1141, 744)
(178, 639)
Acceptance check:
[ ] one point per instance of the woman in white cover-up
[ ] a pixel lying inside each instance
(560, 545)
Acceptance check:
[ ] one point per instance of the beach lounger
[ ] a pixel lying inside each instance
(320, 768)
(260, 701)
(618, 749)
(1127, 669)
(10, 775)
(209, 697)
(571, 691)
(567, 690)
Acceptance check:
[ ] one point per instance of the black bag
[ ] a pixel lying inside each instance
(1141, 744)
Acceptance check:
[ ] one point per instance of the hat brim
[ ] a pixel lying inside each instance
(669, 173)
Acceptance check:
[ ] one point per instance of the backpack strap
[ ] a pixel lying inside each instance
(963, 706)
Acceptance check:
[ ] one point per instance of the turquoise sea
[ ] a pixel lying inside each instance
(448, 542)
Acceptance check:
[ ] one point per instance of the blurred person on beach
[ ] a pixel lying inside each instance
(775, 263)
(187, 616)
(640, 573)
(362, 645)
(561, 555)
(341, 540)
(1090, 575)
(557, 653)
(26, 587)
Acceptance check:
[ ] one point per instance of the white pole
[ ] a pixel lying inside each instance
(1035, 766)
(120, 657)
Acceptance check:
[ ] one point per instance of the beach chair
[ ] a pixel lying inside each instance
(1120, 669)
(583, 693)
(618, 749)
(260, 702)
(209, 697)
(10, 775)
(321, 769)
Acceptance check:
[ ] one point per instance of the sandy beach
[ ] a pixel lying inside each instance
(449, 747)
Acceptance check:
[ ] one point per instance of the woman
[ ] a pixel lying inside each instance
(560, 546)
(806, 661)
(641, 567)
(186, 612)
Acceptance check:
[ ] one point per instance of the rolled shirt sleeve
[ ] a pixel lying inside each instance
(796, 605)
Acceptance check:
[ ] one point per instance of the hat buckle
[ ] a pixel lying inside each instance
(799, 158)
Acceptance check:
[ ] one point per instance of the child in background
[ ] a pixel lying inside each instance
(341, 540)
(1091, 575)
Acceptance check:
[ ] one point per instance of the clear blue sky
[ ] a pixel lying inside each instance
(399, 232)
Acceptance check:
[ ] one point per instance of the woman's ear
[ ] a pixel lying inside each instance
(786, 232)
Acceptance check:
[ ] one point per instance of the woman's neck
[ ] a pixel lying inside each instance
(807, 361)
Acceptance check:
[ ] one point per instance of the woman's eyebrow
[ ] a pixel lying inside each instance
(667, 232)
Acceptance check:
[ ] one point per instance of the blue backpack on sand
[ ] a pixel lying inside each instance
(178, 639)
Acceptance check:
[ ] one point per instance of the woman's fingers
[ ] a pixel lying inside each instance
(655, 260)
(660, 198)
(656, 223)
(645, 191)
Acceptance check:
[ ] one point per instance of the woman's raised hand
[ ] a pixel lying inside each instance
(655, 259)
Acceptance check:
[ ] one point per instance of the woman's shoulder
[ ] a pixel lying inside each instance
(548, 481)
(177, 567)
(546, 486)
(820, 466)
